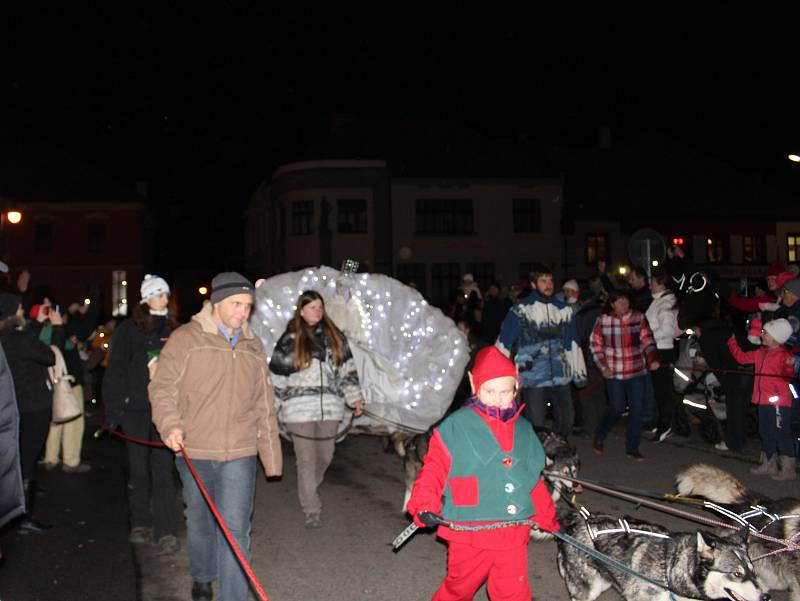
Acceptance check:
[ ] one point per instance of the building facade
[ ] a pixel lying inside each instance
(424, 231)
(77, 250)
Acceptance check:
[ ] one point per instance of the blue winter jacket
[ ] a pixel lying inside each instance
(540, 334)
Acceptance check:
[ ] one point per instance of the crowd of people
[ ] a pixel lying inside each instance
(575, 359)
(589, 354)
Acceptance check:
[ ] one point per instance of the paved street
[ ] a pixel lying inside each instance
(349, 558)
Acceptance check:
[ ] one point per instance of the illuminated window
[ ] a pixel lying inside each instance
(753, 249)
(119, 292)
(715, 249)
(596, 248)
(793, 247)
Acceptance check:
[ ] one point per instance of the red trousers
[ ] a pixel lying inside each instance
(469, 567)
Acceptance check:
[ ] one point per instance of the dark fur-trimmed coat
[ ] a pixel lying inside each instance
(318, 392)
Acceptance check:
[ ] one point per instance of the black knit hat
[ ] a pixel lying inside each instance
(227, 284)
(9, 303)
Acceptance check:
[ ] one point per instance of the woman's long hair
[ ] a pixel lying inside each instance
(304, 341)
(144, 321)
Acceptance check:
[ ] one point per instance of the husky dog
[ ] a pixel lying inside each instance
(778, 572)
(694, 565)
(561, 458)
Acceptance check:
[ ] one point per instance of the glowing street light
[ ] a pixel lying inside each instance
(14, 217)
(202, 290)
(794, 158)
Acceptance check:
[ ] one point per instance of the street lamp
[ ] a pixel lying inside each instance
(14, 217)
(202, 290)
(794, 158)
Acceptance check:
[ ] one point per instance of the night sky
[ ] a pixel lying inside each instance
(204, 100)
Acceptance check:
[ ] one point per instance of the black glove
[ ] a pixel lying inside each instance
(430, 519)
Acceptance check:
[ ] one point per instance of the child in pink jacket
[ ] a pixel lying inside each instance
(774, 368)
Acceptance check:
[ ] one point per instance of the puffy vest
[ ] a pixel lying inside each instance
(485, 483)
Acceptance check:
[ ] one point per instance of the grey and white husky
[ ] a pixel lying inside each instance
(693, 565)
(778, 572)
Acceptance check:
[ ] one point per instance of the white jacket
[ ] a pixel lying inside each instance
(662, 315)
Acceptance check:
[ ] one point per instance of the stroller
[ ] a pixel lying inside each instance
(703, 397)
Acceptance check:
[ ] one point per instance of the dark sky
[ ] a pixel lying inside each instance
(203, 100)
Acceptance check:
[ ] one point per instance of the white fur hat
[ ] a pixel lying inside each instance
(571, 285)
(152, 286)
(779, 329)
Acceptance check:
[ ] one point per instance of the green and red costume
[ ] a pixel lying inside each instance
(480, 470)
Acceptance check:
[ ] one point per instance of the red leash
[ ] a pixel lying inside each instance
(236, 550)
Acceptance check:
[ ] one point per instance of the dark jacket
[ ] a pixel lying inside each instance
(494, 312)
(28, 358)
(12, 498)
(127, 375)
(714, 345)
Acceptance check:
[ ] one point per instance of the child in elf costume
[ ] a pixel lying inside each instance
(484, 466)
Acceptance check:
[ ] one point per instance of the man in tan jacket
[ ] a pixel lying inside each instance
(212, 396)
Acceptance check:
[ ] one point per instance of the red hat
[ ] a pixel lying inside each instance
(783, 277)
(775, 269)
(34, 312)
(490, 363)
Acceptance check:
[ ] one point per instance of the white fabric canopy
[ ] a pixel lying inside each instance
(410, 357)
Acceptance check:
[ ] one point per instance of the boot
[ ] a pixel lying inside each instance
(28, 524)
(787, 469)
(767, 467)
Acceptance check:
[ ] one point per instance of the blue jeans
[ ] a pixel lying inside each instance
(775, 439)
(231, 486)
(622, 393)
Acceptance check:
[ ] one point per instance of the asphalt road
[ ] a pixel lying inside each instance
(350, 558)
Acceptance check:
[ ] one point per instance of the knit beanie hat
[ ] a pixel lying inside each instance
(152, 286)
(572, 285)
(9, 303)
(775, 269)
(793, 286)
(227, 284)
(490, 363)
(779, 329)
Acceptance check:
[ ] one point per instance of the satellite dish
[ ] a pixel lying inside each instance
(646, 249)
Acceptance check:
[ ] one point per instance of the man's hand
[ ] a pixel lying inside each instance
(655, 365)
(606, 372)
(359, 408)
(55, 317)
(174, 440)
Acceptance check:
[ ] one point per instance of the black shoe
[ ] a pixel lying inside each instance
(201, 591)
(635, 455)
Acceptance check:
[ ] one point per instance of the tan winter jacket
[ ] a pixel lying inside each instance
(219, 396)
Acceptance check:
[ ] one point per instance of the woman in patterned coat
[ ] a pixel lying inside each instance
(315, 378)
